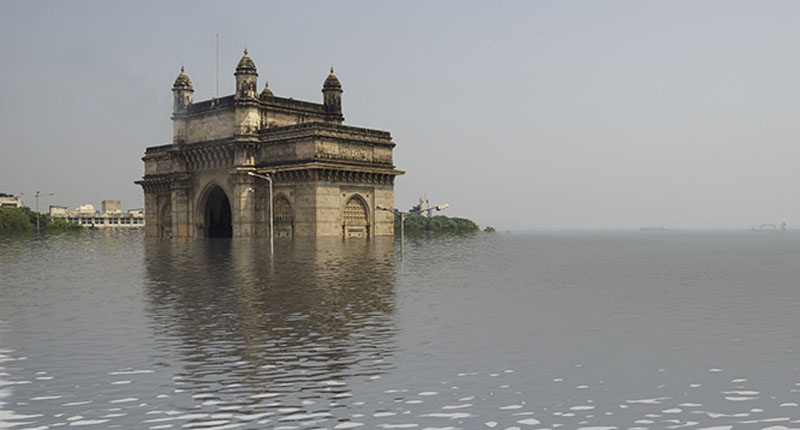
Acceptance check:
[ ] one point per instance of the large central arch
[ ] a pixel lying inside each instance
(217, 214)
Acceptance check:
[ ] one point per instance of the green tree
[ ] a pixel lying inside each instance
(60, 224)
(416, 225)
(21, 219)
(16, 218)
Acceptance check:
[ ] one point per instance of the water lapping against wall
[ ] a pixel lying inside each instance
(558, 330)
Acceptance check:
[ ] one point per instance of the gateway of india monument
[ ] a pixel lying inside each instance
(327, 178)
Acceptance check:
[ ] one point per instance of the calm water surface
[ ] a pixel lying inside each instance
(528, 331)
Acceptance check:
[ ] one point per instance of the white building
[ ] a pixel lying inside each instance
(111, 216)
(10, 201)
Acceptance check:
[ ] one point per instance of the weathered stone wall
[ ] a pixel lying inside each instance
(282, 118)
(304, 205)
(329, 209)
(151, 215)
(384, 220)
(248, 120)
(157, 164)
(212, 125)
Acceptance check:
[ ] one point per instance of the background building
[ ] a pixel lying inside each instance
(327, 178)
(111, 216)
(9, 200)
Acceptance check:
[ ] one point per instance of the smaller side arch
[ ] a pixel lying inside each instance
(283, 216)
(355, 218)
(165, 218)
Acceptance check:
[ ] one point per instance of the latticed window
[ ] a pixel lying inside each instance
(355, 213)
(283, 211)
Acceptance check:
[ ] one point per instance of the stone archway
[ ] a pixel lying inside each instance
(165, 220)
(355, 217)
(217, 214)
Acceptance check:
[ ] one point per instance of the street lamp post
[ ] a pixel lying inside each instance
(37, 209)
(403, 216)
(268, 178)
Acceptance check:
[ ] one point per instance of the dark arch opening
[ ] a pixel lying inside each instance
(218, 214)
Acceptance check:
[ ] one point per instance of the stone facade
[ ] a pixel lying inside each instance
(327, 178)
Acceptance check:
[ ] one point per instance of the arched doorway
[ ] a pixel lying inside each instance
(356, 218)
(284, 217)
(218, 214)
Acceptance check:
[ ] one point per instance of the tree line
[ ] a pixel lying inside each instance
(24, 219)
(439, 224)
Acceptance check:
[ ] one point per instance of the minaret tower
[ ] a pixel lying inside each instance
(332, 98)
(246, 77)
(248, 118)
(182, 93)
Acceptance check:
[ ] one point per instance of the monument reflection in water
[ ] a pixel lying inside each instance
(611, 330)
(273, 339)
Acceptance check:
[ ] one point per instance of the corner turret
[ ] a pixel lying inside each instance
(181, 100)
(332, 98)
(182, 91)
(246, 77)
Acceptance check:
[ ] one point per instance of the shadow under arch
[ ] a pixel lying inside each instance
(216, 211)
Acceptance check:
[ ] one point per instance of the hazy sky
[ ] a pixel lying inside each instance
(519, 114)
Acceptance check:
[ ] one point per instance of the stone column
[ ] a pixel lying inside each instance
(151, 226)
(182, 225)
(384, 220)
(243, 205)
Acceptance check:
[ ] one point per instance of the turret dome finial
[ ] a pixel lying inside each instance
(182, 81)
(332, 82)
(267, 92)
(246, 65)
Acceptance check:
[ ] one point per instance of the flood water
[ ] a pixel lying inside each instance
(622, 330)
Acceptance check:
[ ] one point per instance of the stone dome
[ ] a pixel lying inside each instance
(332, 82)
(267, 92)
(182, 82)
(246, 64)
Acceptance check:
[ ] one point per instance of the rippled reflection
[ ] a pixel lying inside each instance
(577, 331)
(286, 333)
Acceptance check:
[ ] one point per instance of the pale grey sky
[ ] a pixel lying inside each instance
(519, 114)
